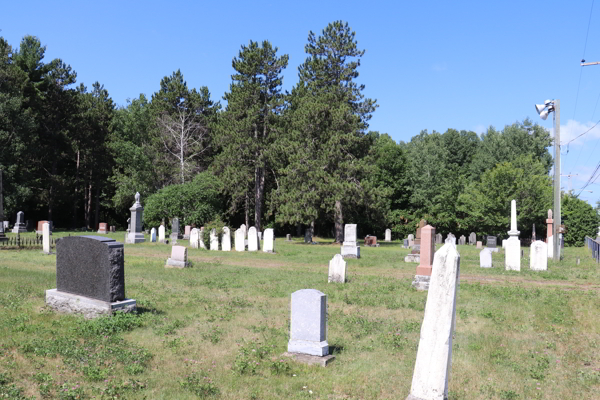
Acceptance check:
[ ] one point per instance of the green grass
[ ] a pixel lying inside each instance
(217, 330)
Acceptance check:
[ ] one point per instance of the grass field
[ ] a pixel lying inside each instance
(217, 330)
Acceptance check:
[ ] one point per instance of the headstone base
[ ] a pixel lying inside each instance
(421, 282)
(103, 232)
(176, 264)
(308, 347)
(413, 258)
(134, 237)
(310, 360)
(69, 303)
(350, 251)
(19, 229)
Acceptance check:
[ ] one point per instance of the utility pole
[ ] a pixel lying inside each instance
(557, 199)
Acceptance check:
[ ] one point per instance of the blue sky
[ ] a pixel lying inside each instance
(431, 65)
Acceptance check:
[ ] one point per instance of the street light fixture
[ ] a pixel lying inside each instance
(543, 110)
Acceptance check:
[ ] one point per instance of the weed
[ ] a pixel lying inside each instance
(280, 367)
(508, 395)
(213, 335)
(539, 367)
(203, 387)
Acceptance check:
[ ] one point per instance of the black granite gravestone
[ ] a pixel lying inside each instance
(175, 229)
(91, 266)
(491, 242)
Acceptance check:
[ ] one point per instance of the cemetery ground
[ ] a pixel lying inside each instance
(218, 329)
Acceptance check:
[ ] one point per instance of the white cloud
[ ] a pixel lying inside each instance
(574, 128)
(479, 129)
(439, 67)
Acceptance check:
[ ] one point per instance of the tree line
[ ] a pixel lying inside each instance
(265, 157)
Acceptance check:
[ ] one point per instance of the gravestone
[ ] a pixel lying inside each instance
(434, 355)
(308, 328)
(113, 228)
(103, 228)
(472, 239)
(411, 240)
(288, 237)
(244, 229)
(512, 253)
(269, 242)
(20, 224)
(161, 233)
(137, 211)
(491, 242)
(186, 233)
(308, 235)
(214, 240)
(479, 245)
(504, 244)
(46, 238)
(195, 238)
(201, 238)
(337, 269)
(538, 256)
(451, 239)
(423, 275)
(153, 235)
(90, 277)
(462, 240)
(40, 227)
(239, 240)
(226, 239)
(178, 258)
(252, 239)
(550, 234)
(439, 238)
(417, 246)
(175, 230)
(388, 235)
(371, 241)
(29, 225)
(405, 244)
(485, 258)
(349, 248)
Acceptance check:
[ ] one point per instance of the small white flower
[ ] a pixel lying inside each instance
(310, 391)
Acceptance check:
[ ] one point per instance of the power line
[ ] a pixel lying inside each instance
(575, 138)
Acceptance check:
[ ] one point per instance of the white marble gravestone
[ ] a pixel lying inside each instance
(226, 239)
(388, 235)
(512, 254)
(411, 240)
(485, 258)
(46, 238)
(214, 239)
(252, 239)
(538, 256)
(178, 257)
(308, 330)
(239, 240)
(20, 224)
(434, 356)
(195, 238)
(244, 229)
(337, 269)
(161, 234)
(269, 241)
(153, 235)
(349, 247)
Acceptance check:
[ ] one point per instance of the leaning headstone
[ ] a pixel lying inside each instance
(161, 234)
(178, 258)
(46, 238)
(512, 254)
(349, 247)
(538, 256)
(439, 239)
(239, 240)
(423, 275)
(103, 228)
(308, 330)
(214, 240)
(434, 356)
(472, 239)
(186, 233)
(462, 240)
(153, 235)
(308, 235)
(252, 239)
(337, 269)
(485, 258)
(226, 239)
(479, 245)
(175, 230)
(269, 241)
(90, 277)
(288, 238)
(135, 235)
(20, 224)
(388, 235)
(195, 238)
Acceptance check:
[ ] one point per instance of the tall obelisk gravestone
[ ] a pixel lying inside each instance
(2, 235)
(135, 235)
(512, 255)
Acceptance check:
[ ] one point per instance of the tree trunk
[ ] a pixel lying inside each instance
(259, 185)
(51, 197)
(339, 222)
(96, 222)
(312, 229)
(76, 199)
(247, 206)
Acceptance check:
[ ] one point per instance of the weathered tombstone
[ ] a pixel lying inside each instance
(40, 227)
(472, 239)
(485, 258)
(153, 235)
(288, 237)
(411, 240)
(308, 235)
(201, 238)
(226, 239)
(308, 330)
(388, 235)
(239, 240)
(20, 224)
(186, 233)
(405, 244)
(451, 239)
(103, 228)
(46, 238)
(178, 258)
(349, 247)
(512, 256)
(137, 211)
(161, 233)
(434, 356)
(90, 277)
(371, 241)
(252, 239)
(214, 239)
(491, 242)
(269, 242)
(337, 269)
(538, 256)
(479, 245)
(462, 240)
(244, 229)
(417, 246)
(550, 234)
(195, 238)
(423, 275)
(439, 238)
(174, 230)
(113, 228)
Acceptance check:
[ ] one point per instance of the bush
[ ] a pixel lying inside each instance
(580, 220)
(217, 225)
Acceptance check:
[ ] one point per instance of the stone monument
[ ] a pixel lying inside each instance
(269, 241)
(239, 240)
(479, 245)
(20, 224)
(538, 256)
(512, 254)
(201, 238)
(90, 277)
(424, 269)
(388, 235)
(195, 238)
(485, 258)
(288, 238)
(226, 239)
(40, 227)
(337, 269)
(178, 258)
(472, 239)
(252, 239)
(411, 240)
(137, 211)
(214, 240)
(175, 230)
(161, 233)
(103, 228)
(153, 235)
(451, 239)
(186, 233)
(439, 238)
(349, 248)
(308, 330)
(462, 240)
(46, 239)
(308, 235)
(434, 355)
(550, 235)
